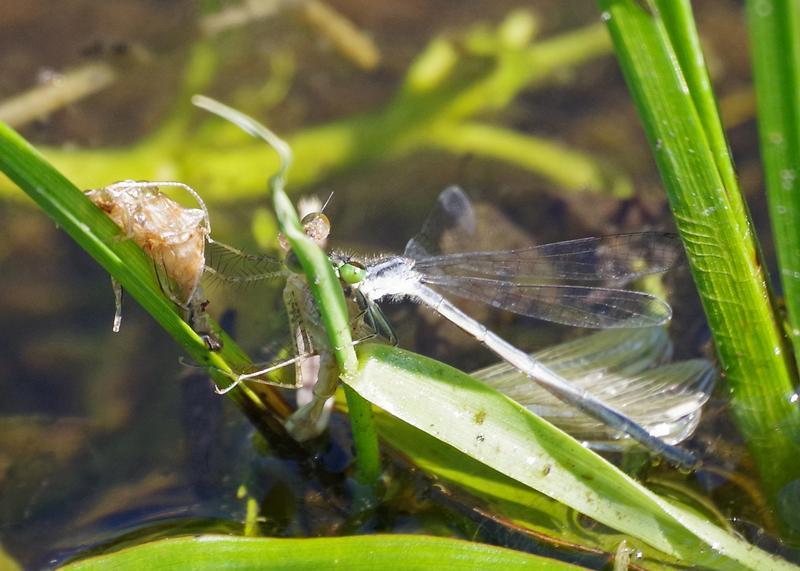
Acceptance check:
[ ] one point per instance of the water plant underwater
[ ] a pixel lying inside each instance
(608, 496)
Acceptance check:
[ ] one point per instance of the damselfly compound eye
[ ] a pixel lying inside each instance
(352, 272)
(316, 226)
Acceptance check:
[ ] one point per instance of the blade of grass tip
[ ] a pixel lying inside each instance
(717, 233)
(775, 41)
(328, 294)
(96, 233)
(324, 286)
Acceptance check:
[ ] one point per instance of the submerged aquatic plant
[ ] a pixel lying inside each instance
(492, 429)
(468, 433)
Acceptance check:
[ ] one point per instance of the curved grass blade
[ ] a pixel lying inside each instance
(322, 281)
(489, 427)
(130, 266)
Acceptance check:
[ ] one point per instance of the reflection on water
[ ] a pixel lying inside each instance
(106, 438)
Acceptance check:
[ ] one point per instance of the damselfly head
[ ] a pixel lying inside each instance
(348, 269)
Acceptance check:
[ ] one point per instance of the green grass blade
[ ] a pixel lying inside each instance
(123, 259)
(406, 552)
(328, 293)
(679, 25)
(503, 499)
(321, 279)
(718, 236)
(491, 428)
(775, 40)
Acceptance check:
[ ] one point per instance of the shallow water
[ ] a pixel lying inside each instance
(107, 438)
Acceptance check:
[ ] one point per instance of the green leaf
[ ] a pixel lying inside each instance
(489, 427)
(407, 552)
(775, 39)
(504, 499)
(131, 267)
(683, 129)
(322, 281)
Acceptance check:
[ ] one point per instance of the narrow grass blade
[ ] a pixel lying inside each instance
(407, 552)
(100, 237)
(714, 224)
(775, 41)
(322, 281)
(491, 428)
(508, 501)
(680, 27)
(328, 293)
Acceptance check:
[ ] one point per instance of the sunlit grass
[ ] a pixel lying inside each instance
(659, 52)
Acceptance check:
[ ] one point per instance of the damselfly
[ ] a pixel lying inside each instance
(547, 282)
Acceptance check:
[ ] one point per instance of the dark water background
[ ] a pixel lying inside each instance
(105, 435)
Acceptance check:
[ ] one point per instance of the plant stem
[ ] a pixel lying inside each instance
(714, 224)
(775, 41)
(328, 294)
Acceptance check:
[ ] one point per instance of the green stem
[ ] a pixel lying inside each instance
(775, 41)
(328, 294)
(131, 267)
(717, 233)
(570, 169)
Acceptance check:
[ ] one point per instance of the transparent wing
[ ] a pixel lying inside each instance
(453, 214)
(166, 284)
(229, 265)
(666, 400)
(579, 306)
(608, 352)
(619, 258)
